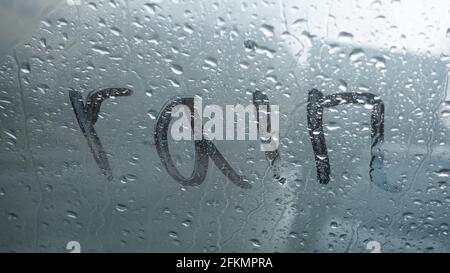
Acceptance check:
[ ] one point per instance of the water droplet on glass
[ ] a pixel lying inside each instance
(334, 225)
(267, 30)
(176, 69)
(345, 37)
(250, 45)
(356, 55)
(25, 68)
(187, 223)
(210, 62)
(72, 214)
(343, 86)
(152, 114)
(116, 31)
(255, 242)
(12, 216)
(174, 83)
(101, 50)
(443, 173)
(121, 208)
(173, 235)
(380, 62)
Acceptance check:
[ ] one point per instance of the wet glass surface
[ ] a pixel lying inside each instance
(58, 184)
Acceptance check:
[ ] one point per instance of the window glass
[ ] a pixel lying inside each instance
(361, 134)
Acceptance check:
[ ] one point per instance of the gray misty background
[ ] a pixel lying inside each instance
(52, 192)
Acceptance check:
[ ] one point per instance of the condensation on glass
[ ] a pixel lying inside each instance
(343, 65)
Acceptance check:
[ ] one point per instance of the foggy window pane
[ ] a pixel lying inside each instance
(351, 95)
